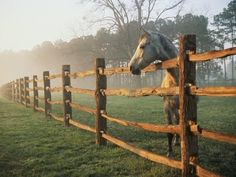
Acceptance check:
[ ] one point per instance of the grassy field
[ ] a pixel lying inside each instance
(31, 145)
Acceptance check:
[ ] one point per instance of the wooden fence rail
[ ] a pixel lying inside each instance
(142, 92)
(188, 128)
(212, 55)
(81, 74)
(213, 91)
(223, 137)
(145, 126)
(79, 90)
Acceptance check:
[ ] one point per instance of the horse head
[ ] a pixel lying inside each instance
(152, 47)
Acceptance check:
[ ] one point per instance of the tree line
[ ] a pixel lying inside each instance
(118, 38)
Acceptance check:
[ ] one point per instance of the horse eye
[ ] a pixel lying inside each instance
(142, 46)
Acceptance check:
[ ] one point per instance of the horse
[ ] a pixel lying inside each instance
(157, 47)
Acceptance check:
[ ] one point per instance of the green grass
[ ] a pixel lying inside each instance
(31, 145)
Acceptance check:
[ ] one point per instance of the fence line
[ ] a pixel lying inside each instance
(188, 128)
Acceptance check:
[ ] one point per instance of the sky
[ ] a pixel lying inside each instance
(26, 23)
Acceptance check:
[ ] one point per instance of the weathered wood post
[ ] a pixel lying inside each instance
(15, 93)
(17, 90)
(188, 105)
(13, 90)
(10, 90)
(26, 92)
(101, 83)
(47, 94)
(35, 92)
(66, 82)
(21, 90)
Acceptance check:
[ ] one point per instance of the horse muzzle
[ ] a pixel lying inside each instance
(135, 70)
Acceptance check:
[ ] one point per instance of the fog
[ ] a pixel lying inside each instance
(115, 43)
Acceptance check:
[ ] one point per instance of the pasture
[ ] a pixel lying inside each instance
(32, 145)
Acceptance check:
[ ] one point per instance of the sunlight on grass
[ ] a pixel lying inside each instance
(32, 145)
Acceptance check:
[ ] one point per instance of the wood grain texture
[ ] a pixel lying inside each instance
(54, 76)
(101, 101)
(66, 95)
(145, 126)
(213, 91)
(61, 119)
(56, 89)
(83, 108)
(81, 74)
(187, 104)
(35, 93)
(26, 91)
(55, 102)
(82, 126)
(201, 172)
(223, 137)
(206, 56)
(47, 94)
(81, 91)
(40, 109)
(142, 92)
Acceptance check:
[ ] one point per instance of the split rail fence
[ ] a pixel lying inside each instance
(188, 128)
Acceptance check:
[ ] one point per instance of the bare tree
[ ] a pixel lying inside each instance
(127, 18)
(120, 13)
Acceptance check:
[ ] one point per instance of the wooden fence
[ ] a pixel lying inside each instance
(188, 128)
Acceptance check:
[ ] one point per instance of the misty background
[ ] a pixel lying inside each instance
(37, 36)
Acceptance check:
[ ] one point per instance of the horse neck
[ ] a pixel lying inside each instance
(173, 72)
(169, 51)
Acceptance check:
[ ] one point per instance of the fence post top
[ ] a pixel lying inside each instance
(46, 73)
(64, 66)
(100, 60)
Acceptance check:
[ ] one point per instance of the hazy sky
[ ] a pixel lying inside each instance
(26, 23)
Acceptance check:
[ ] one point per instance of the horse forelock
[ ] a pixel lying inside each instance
(143, 37)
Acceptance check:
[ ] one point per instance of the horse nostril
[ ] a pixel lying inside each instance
(130, 68)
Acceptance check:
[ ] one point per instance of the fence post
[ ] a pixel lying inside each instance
(17, 90)
(66, 94)
(13, 90)
(26, 83)
(15, 94)
(36, 93)
(101, 83)
(188, 105)
(21, 90)
(47, 94)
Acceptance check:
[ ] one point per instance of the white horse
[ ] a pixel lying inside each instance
(153, 46)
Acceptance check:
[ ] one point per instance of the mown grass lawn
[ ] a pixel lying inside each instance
(31, 145)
